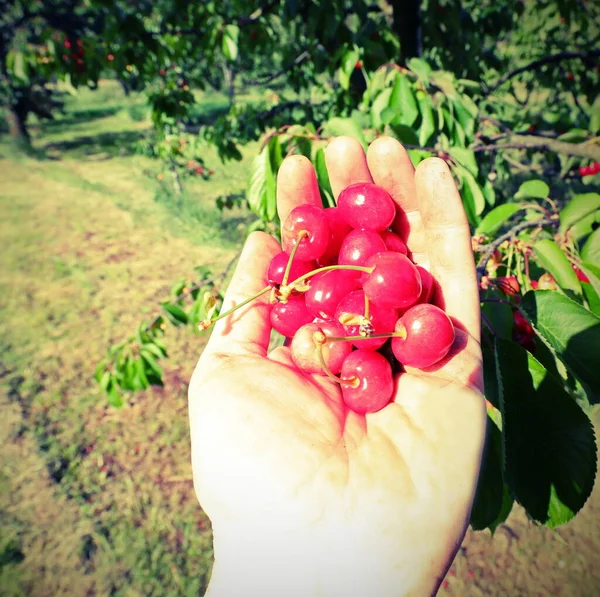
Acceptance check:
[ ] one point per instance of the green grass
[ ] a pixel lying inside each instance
(93, 500)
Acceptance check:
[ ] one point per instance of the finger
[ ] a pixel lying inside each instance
(296, 185)
(448, 241)
(392, 169)
(247, 330)
(346, 164)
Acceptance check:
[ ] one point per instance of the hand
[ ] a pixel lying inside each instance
(306, 497)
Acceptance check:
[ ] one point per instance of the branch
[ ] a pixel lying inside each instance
(487, 255)
(263, 80)
(541, 62)
(585, 150)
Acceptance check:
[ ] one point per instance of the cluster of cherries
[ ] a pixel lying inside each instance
(351, 301)
(590, 170)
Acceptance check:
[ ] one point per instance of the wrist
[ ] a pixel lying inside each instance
(320, 561)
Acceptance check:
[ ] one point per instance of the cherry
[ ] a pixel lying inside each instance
(304, 351)
(338, 229)
(581, 276)
(369, 382)
(327, 290)
(427, 335)
(395, 281)
(381, 319)
(359, 245)
(310, 221)
(365, 205)
(509, 285)
(279, 263)
(287, 318)
(546, 282)
(393, 242)
(521, 324)
(428, 284)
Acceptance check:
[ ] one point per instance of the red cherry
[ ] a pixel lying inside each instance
(279, 263)
(326, 291)
(393, 242)
(358, 64)
(304, 351)
(521, 324)
(509, 285)
(570, 76)
(309, 219)
(382, 319)
(580, 275)
(365, 205)
(374, 381)
(288, 318)
(584, 171)
(338, 229)
(428, 285)
(110, 57)
(428, 336)
(395, 281)
(359, 245)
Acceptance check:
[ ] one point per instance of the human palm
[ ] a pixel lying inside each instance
(277, 453)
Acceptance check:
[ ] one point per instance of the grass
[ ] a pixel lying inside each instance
(97, 501)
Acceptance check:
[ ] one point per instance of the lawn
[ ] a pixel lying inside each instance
(99, 501)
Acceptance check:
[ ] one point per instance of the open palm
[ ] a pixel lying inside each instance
(376, 503)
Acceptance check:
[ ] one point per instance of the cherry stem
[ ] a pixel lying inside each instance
(319, 339)
(328, 268)
(302, 234)
(204, 325)
(353, 338)
(367, 307)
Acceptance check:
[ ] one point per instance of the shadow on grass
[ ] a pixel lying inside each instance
(110, 144)
(207, 112)
(79, 116)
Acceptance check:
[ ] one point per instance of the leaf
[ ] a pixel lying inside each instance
(466, 158)
(379, 105)
(552, 258)
(275, 159)
(574, 136)
(260, 183)
(404, 102)
(347, 66)
(420, 68)
(405, 134)
(150, 361)
(593, 274)
(570, 330)
(592, 298)
(494, 220)
(336, 127)
(229, 45)
(533, 188)
(472, 194)
(464, 116)
(548, 442)
(591, 250)
(115, 398)
(323, 178)
(577, 209)
(427, 128)
(19, 67)
(175, 314)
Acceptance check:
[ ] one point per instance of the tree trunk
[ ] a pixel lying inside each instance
(407, 26)
(17, 127)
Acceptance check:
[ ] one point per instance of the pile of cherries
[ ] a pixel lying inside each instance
(351, 300)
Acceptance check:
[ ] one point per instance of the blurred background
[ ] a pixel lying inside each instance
(139, 144)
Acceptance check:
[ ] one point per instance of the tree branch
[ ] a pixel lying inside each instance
(561, 56)
(588, 149)
(268, 78)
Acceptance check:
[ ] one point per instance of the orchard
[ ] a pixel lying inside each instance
(505, 93)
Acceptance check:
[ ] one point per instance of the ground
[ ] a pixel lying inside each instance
(96, 501)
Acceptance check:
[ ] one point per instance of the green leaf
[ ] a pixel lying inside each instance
(472, 195)
(580, 207)
(574, 136)
(105, 380)
(427, 128)
(549, 447)
(495, 219)
(229, 46)
(405, 134)
(592, 297)
(19, 67)
(347, 66)
(345, 126)
(466, 158)
(260, 184)
(489, 496)
(420, 68)
(464, 115)
(275, 160)
(140, 375)
(379, 105)
(533, 189)
(115, 398)
(593, 274)
(176, 315)
(571, 331)
(323, 178)
(500, 316)
(552, 258)
(151, 362)
(591, 250)
(404, 102)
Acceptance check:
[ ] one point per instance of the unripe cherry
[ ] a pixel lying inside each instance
(428, 334)
(305, 353)
(279, 263)
(395, 282)
(365, 205)
(372, 383)
(310, 220)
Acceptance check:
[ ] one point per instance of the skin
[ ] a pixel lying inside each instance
(306, 497)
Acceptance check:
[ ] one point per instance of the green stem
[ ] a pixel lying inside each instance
(327, 370)
(367, 307)
(353, 338)
(204, 325)
(328, 268)
(302, 234)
